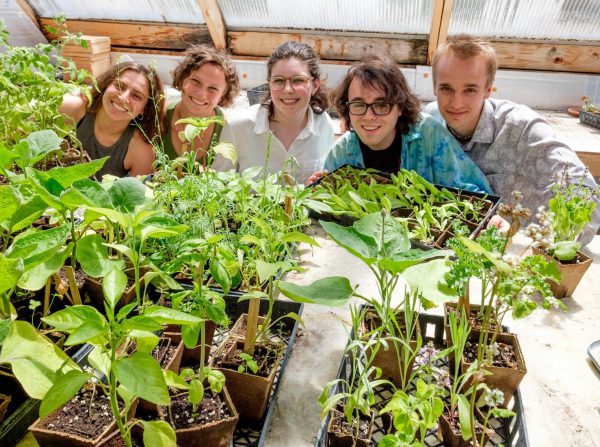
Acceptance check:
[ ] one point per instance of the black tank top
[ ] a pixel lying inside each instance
(116, 152)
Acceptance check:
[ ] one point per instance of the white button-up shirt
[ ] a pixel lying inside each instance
(248, 131)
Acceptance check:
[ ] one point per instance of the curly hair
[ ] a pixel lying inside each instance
(151, 118)
(382, 73)
(464, 46)
(197, 55)
(304, 53)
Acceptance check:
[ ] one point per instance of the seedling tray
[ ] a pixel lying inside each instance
(508, 432)
(589, 119)
(16, 425)
(444, 235)
(247, 433)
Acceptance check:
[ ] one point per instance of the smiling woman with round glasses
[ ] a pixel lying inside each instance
(292, 111)
(388, 133)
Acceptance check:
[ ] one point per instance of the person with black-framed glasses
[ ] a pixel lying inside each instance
(388, 133)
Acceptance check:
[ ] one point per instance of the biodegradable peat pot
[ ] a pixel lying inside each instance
(249, 392)
(571, 273)
(388, 360)
(341, 434)
(93, 287)
(474, 321)
(115, 439)
(505, 379)
(450, 433)
(191, 357)
(239, 328)
(4, 402)
(49, 437)
(217, 433)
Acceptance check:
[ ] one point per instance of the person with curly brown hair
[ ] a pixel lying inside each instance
(208, 81)
(388, 133)
(121, 120)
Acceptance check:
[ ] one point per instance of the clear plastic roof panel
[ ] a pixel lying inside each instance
(374, 16)
(172, 11)
(535, 19)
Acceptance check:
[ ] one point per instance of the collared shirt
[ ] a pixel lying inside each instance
(518, 151)
(428, 149)
(248, 131)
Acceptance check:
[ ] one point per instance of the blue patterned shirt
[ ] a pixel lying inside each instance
(428, 149)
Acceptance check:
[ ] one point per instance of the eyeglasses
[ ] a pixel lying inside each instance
(360, 108)
(296, 82)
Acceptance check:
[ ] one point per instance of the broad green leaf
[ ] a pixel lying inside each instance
(141, 323)
(10, 272)
(127, 251)
(62, 391)
(10, 199)
(402, 260)
(226, 150)
(156, 232)
(388, 233)
(7, 157)
(65, 176)
(170, 316)
(32, 206)
(36, 146)
(362, 246)
(464, 417)
(158, 434)
(34, 278)
(196, 391)
(267, 270)
(88, 332)
(87, 192)
(113, 286)
(174, 380)
(36, 362)
(99, 360)
(70, 318)
(429, 279)
(565, 250)
(36, 247)
(220, 275)
(126, 193)
(93, 257)
(331, 291)
(123, 219)
(297, 236)
(4, 329)
(141, 374)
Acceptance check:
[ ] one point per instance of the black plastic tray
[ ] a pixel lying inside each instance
(348, 221)
(509, 432)
(249, 433)
(16, 425)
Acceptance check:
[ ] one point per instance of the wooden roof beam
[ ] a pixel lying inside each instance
(149, 35)
(330, 46)
(214, 22)
(28, 10)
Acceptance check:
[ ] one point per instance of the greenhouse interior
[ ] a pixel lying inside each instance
(317, 223)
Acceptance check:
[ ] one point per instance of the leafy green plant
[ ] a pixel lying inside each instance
(427, 210)
(355, 394)
(127, 376)
(382, 243)
(31, 87)
(572, 207)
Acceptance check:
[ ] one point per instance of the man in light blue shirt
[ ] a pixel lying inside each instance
(512, 144)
